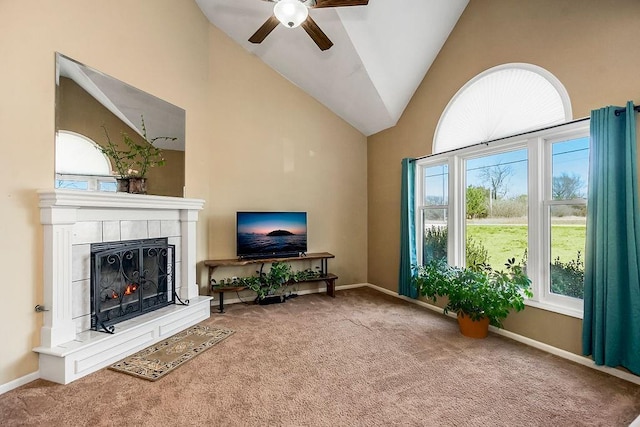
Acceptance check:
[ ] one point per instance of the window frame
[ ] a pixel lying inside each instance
(539, 176)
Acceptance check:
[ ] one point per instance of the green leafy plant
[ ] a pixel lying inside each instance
(279, 277)
(246, 282)
(266, 284)
(568, 278)
(137, 158)
(478, 291)
(307, 274)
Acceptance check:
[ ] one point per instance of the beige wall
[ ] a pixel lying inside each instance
(253, 140)
(79, 112)
(590, 45)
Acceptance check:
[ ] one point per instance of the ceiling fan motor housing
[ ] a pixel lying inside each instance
(291, 13)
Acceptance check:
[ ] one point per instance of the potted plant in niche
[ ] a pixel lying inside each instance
(132, 160)
(478, 294)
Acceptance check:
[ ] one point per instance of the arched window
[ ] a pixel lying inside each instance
(80, 164)
(502, 101)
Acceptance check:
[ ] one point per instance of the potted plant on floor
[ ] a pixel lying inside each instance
(134, 160)
(478, 294)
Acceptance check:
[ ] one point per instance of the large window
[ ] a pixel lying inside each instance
(522, 197)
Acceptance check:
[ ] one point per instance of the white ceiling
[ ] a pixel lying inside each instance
(381, 52)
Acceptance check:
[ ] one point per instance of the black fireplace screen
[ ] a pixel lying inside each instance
(130, 278)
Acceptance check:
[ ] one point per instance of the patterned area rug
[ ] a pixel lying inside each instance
(156, 361)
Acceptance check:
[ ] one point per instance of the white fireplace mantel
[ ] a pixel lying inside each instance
(72, 220)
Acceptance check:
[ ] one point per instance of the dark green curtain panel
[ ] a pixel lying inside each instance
(408, 255)
(611, 325)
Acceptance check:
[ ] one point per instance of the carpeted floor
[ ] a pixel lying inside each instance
(361, 359)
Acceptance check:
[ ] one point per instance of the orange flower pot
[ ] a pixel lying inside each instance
(473, 328)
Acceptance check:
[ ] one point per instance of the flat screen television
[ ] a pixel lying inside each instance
(271, 234)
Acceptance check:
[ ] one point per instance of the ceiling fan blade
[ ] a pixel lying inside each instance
(340, 3)
(264, 31)
(316, 34)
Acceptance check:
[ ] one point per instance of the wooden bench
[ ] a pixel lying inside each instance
(329, 279)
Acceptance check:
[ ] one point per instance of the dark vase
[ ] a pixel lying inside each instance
(123, 185)
(138, 185)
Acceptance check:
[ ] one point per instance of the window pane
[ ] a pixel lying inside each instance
(107, 186)
(570, 163)
(570, 166)
(568, 236)
(436, 185)
(435, 234)
(497, 209)
(71, 184)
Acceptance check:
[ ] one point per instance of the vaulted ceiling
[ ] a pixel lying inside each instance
(380, 55)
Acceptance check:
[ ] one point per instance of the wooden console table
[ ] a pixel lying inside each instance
(323, 257)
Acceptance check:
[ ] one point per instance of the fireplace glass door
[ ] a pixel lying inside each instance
(130, 278)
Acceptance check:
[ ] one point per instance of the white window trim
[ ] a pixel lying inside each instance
(538, 145)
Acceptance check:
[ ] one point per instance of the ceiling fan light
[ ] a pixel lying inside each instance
(291, 13)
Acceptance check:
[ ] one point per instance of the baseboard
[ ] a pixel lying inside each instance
(585, 361)
(19, 381)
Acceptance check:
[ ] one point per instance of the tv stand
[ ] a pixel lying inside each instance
(323, 257)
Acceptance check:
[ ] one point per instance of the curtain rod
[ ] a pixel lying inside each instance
(505, 137)
(636, 109)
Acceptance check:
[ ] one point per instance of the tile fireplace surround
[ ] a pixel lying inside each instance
(72, 220)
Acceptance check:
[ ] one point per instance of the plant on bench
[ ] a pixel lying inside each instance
(269, 287)
(270, 284)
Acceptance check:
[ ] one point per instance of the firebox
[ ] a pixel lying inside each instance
(130, 278)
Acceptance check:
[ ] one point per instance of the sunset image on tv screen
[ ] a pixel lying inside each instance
(266, 233)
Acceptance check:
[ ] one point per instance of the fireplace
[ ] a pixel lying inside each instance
(162, 271)
(130, 278)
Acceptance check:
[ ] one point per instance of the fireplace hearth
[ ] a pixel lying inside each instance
(130, 278)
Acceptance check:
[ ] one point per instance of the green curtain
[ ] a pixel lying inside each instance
(408, 255)
(611, 324)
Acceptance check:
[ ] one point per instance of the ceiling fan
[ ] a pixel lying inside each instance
(294, 13)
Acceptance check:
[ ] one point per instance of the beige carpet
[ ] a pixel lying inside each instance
(361, 359)
(156, 361)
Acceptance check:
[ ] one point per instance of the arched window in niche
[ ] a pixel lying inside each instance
(80, 164)
(502, 101)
